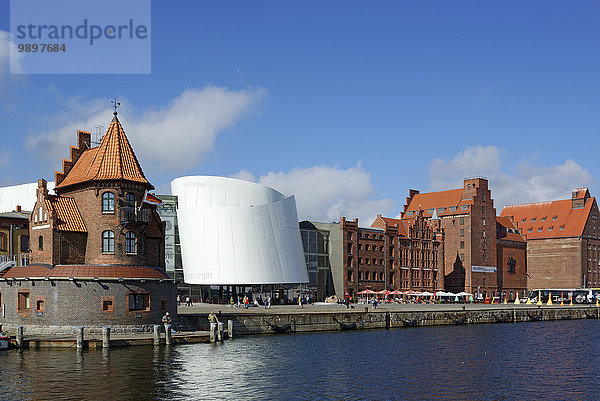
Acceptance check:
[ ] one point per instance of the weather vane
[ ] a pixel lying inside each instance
(115, 105)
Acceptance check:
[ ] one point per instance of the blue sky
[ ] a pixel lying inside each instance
(345, 104)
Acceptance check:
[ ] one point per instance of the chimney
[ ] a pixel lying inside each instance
(18, 208)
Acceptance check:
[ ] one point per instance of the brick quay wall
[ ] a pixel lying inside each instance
(362, 318)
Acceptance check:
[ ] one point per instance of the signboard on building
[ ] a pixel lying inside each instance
(483, 269)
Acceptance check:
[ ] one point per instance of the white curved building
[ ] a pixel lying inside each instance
(22, 195)
(236, 232)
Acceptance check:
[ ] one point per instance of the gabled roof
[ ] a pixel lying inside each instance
(66, 212)
(555, 219)
(114, 159)
(443, 201)
(393, 222)
(512, 233)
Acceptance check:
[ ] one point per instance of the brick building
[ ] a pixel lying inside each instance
(468, 221)
(563, 241)
(392, 255)
(97, 250)
(511, 259)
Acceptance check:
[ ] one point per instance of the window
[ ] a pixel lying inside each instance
(554, 218)
(512, 263)
(523, 221)
(108, 202)
(561, 228)
(349, 236)
(39, 305)
(410, 213)
(374, 261)
(130, 242)
(350, 276)
(108, 242)
(349, 247)
(484, 245)
(441, 209)
(139, 302)
(484, 258)
(107, 305)
(24, 243)
(462, 256)
(483, 197)
(462, 244)
(462, 220)
(544, 218)
(349, 263)
(360, 247)
(3, 242)
(41, 242)
(23, 302)
(430, 211)
(462, 232)
(550, 228)
(453, 208)
(464, 207)
(483, 222)
(483, 209)
(483, 232)
(540, 229)
(533, 219)
(367, 247)
(130, 199)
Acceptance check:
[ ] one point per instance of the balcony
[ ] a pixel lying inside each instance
(133, 215)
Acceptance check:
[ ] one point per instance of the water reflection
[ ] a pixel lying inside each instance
(547, 359)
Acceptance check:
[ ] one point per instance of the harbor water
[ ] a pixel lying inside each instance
(538, 360)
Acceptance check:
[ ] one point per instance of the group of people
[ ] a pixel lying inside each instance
(188, 301)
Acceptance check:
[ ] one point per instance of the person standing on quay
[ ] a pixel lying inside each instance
(212, 318)
(230, 302)
(166, 319)
(300, 301)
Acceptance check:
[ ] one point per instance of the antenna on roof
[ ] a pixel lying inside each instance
(115, 105)
(97, 135)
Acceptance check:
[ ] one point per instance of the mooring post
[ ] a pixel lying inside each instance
(105, 336)
(221, 326)
(156, 336)
(19, 336)
(167, 334)
(79, 334)
(213, 332)
(230, 329)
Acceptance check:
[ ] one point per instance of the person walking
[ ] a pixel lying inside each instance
(300, 301)
(269, 301)
(230, 302)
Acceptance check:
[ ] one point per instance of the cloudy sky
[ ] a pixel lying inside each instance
(341, 103)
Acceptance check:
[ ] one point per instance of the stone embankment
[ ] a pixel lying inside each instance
(302, 321)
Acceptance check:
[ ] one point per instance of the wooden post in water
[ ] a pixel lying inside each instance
(221, 326)
(156, 334)
(230, 329)
(105, 336)
(213, 332)
(168, 334)
(19, 336)
(79, 336)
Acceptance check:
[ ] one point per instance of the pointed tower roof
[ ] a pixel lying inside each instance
(114, 159)
(434, 216)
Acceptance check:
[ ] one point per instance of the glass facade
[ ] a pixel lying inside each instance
(316, 253)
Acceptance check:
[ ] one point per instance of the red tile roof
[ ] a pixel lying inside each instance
(555, 219)
(512, 233)
(114, 159)
(66, 213)
(401, 225)
(441, 199)
(87, 271)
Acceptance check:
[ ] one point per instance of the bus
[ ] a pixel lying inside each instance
(578, 295)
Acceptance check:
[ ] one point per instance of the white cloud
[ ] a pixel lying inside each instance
(527, 183)
(172, 138)
(244, 174)
(325, 193)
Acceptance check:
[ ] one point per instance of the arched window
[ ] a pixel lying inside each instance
(108, 242)
(130, 199)
(108, 202)
(130, 242)
(41, 243)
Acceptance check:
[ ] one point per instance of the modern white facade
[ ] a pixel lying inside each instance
(236, 232)
(22, 195)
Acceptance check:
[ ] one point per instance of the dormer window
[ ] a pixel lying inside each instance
(130, 199)
(108, 202)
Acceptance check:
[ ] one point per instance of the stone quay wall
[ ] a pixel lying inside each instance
(265, 323)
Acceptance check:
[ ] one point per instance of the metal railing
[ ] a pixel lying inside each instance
(22, 259)
(133, 215)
